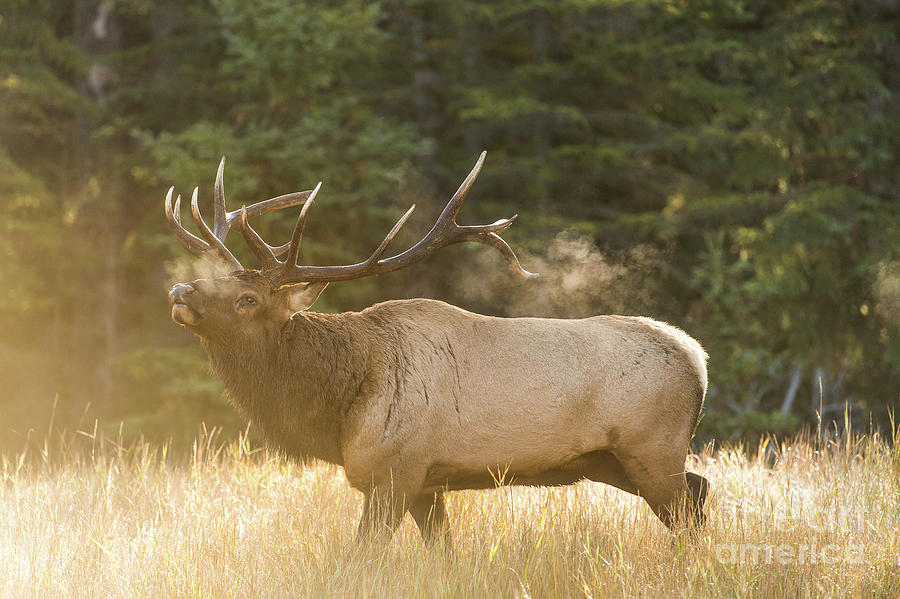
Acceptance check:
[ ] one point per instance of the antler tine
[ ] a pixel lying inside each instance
(223, 220)
(220, 214)
(271, 205)
(190, 242)
(455, 203)
(489, 235)
(495, 227)
(294, 246)
(497, 242)
(213, 241)
(376, 255)
(260, 248)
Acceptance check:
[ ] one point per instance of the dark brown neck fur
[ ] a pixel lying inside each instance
(298, 385)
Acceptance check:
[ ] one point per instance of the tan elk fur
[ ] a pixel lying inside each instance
(452, 396)
(415, 397)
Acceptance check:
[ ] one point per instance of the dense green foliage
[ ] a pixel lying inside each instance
(730, 167)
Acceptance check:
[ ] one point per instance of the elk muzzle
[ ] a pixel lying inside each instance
(181, 312)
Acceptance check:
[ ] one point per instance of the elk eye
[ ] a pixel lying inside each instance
(247, 300)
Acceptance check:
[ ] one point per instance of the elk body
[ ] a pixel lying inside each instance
(417, 397)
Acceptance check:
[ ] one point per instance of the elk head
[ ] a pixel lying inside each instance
(250, 303)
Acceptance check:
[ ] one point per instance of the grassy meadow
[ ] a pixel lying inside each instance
(93, 518)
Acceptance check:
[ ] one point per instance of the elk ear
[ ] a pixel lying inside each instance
(301, 296)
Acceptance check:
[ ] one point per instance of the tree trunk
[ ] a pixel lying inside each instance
(792, 389)
(95, 34)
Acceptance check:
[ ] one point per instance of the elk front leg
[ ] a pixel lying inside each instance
(699, 488)
(430, 514)
(383, 511)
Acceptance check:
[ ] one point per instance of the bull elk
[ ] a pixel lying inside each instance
(417, 397)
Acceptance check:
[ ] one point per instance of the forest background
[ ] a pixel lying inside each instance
(730, 167)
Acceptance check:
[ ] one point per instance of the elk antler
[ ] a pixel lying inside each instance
(444, 232)
(213, 243)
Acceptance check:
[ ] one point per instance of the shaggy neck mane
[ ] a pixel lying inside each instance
(298, 385)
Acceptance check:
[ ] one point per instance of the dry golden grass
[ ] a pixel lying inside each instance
(131, 522)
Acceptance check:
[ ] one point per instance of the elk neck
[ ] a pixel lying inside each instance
(298, 385)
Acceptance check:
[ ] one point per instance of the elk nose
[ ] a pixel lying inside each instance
(179, 292)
